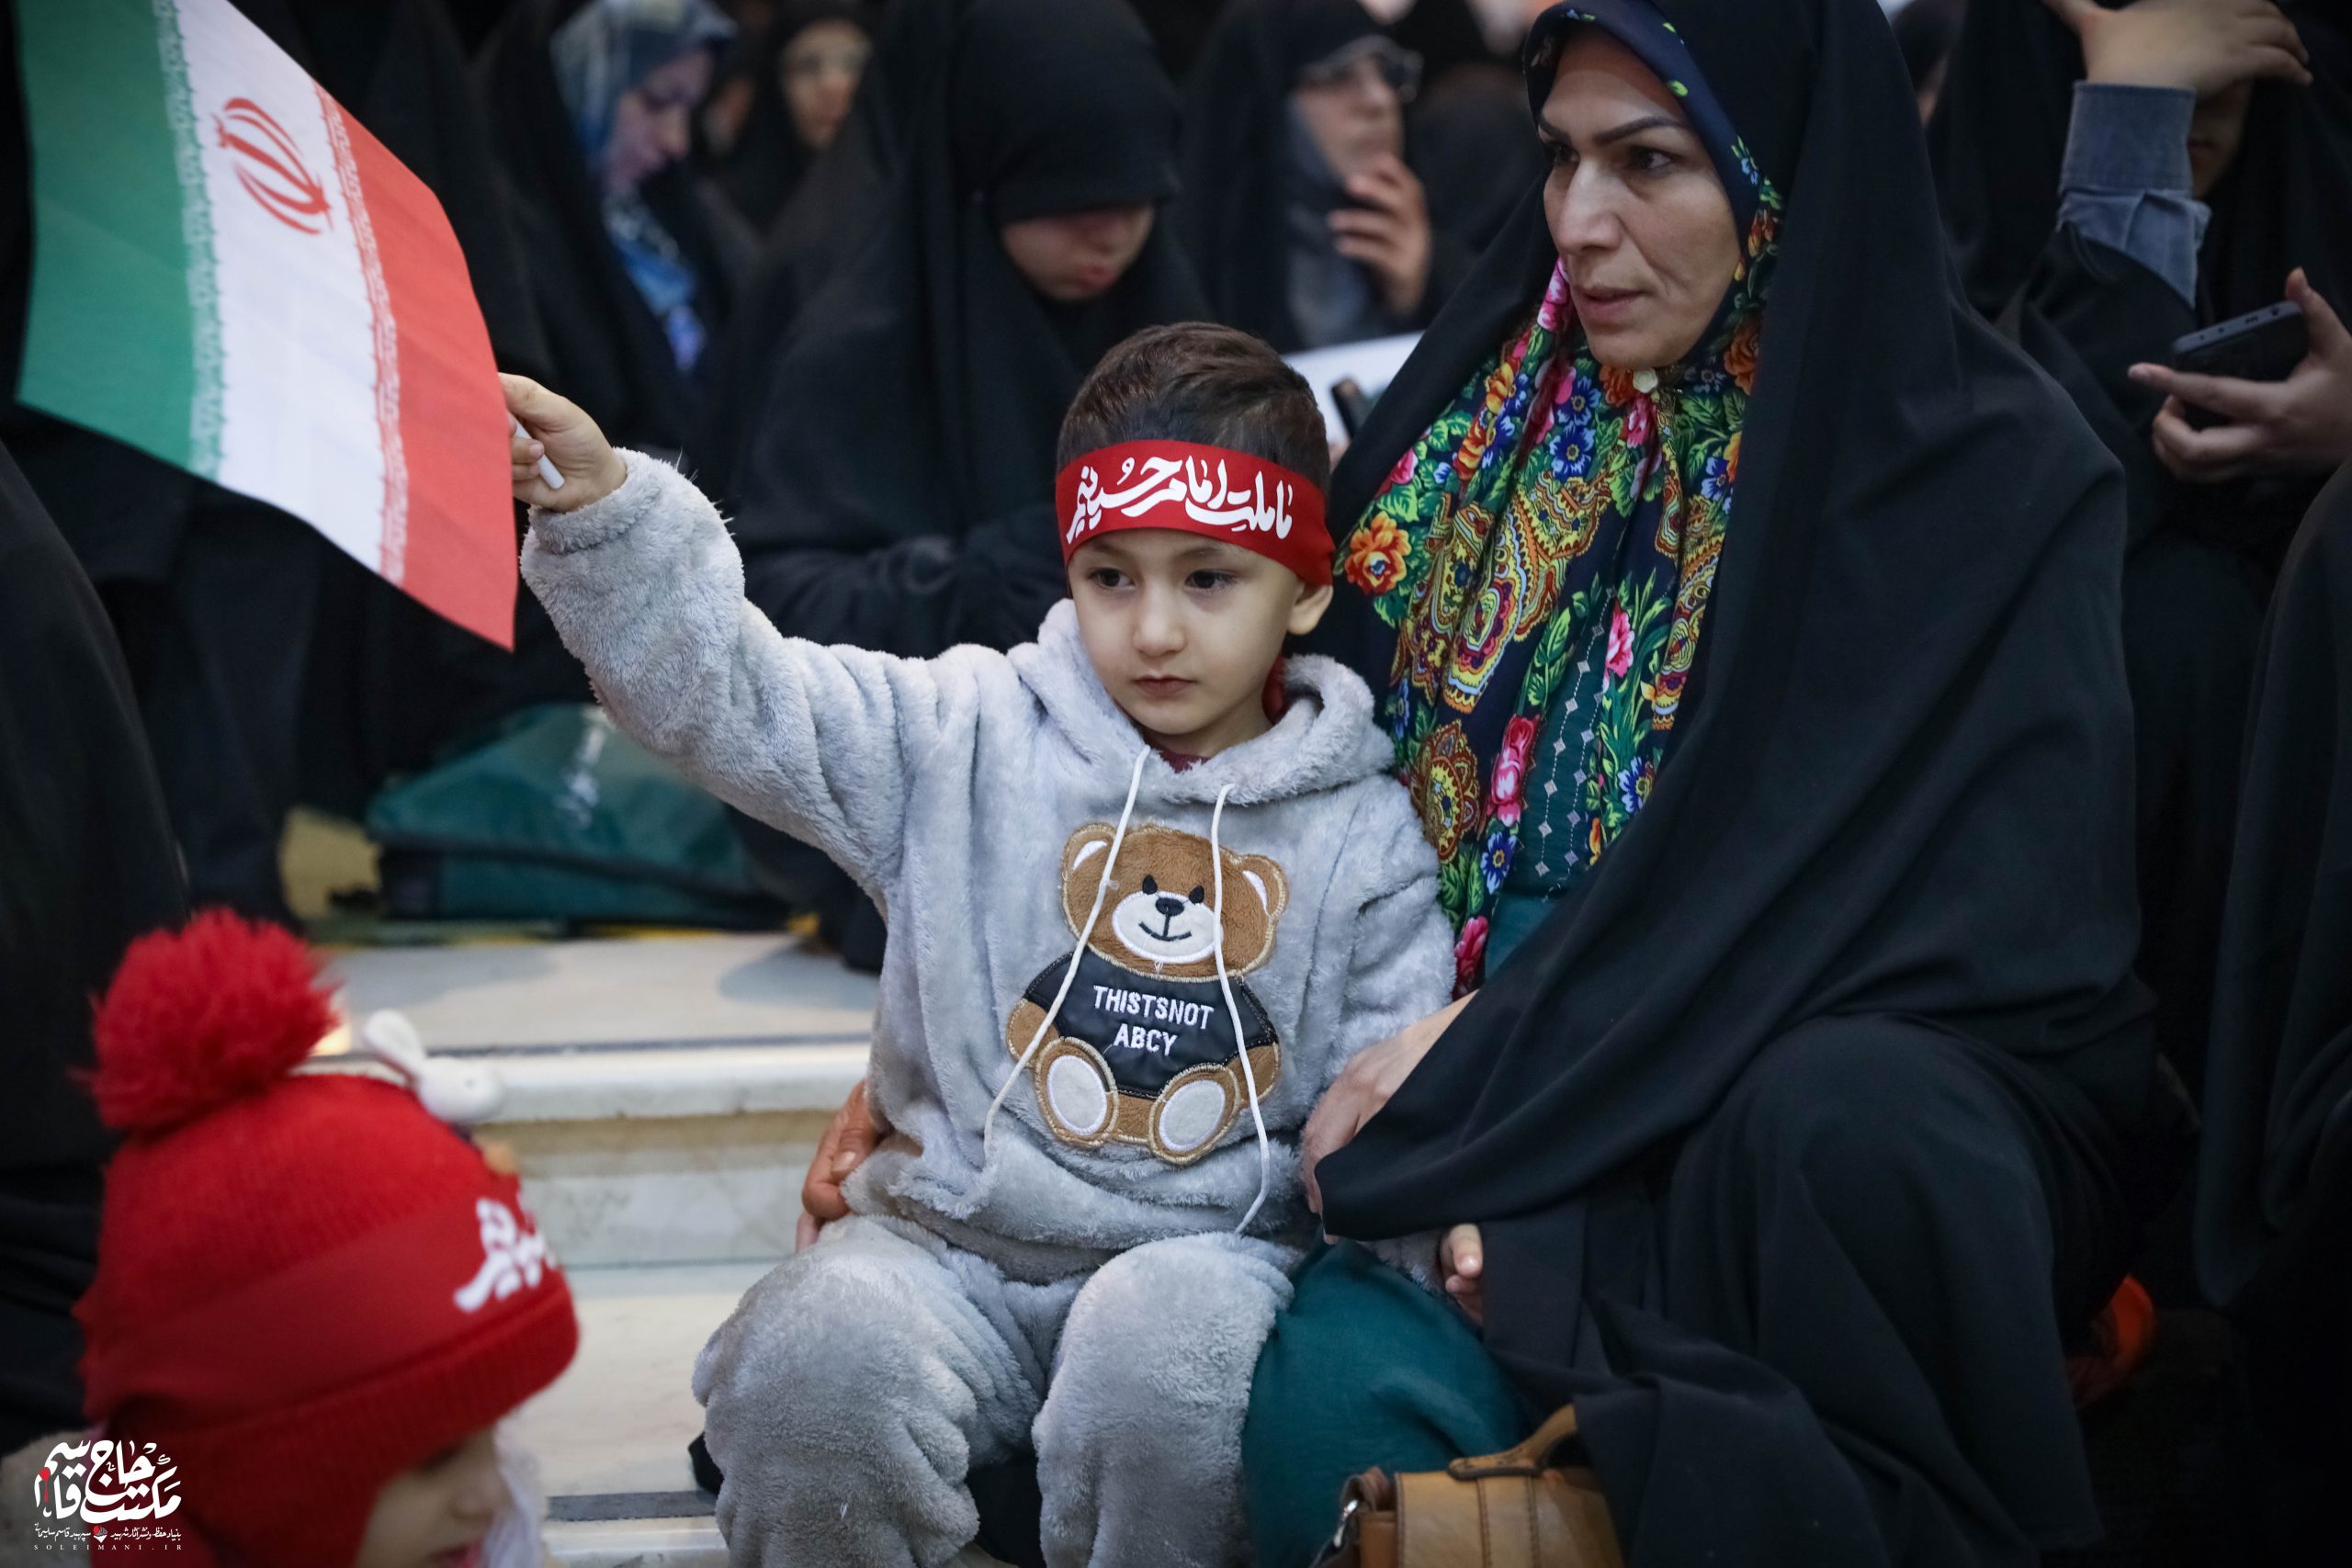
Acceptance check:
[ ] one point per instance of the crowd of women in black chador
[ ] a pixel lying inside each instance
(1912, 773)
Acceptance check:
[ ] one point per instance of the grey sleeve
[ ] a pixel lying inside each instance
(647, 589)
(2125, 181)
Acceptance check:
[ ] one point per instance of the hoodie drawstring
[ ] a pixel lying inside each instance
(1232, 1011)
(1224, 980)
(1085, 933)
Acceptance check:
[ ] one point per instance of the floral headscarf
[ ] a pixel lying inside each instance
(1552, 540)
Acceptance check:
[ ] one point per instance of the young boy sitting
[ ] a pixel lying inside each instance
(1148, 885)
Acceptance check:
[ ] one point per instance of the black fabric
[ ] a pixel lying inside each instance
(830, 216)
(2202, 556)
(90, 864)
(1473, 152)
(1900, 809)
(769, 159)
(606, 349)
(1236, 155)
(1446, 34)
(897, 487)
(2274, 1207)
(1179, 28)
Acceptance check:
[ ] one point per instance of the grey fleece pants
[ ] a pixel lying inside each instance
(856, 1385)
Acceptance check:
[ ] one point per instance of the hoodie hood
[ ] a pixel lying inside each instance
(1326, 738)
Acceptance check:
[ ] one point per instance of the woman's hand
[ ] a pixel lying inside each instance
(2301, 424)
(855, 1130)
(558, 429)
(1362, 1086)
(2202, 45)
(1462, 1259)
(1389, 234)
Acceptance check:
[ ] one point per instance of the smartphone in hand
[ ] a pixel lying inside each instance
(2262, 345)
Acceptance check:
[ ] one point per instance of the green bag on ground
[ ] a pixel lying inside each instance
(557, 816)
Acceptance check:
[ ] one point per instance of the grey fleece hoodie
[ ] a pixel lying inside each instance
(977, 796)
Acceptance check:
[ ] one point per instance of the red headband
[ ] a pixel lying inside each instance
(1210, 490)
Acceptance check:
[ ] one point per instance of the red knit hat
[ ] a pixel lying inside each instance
(306, 1284)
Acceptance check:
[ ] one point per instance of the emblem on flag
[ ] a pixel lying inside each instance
(270, 166)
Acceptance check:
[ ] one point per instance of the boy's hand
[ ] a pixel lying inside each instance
(2302, 424)
(1462, 1259)
(557, 428)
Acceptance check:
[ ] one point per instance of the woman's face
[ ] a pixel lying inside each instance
(1354, 116)
(1637, 209)
(2216, 130)
(819, 70)
(653, 123)
(436, 1514)
(1076, 256)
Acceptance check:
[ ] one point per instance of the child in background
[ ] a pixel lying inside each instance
(314, 1302)
(1148, 887)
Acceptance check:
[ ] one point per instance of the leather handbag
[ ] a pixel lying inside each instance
(1519, 1509)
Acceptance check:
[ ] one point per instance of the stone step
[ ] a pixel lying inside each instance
(663, 1094)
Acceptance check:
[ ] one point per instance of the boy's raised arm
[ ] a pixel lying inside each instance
(638, 574)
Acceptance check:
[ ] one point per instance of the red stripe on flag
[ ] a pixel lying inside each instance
(459, 554)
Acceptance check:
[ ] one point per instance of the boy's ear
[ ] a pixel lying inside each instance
(1313, 604)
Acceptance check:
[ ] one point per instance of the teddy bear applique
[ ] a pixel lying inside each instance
(1143, 1050)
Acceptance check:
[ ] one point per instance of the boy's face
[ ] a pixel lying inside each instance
(436, 1514)
(1183, 630)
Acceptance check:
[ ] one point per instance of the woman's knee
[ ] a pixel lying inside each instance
(1365, 1369)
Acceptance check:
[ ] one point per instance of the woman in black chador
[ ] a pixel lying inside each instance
(2274, 1209)
(591, 105)
(2112, 179)
(1305, 220)
(1748, 616)
(895, 488)
(804, 77)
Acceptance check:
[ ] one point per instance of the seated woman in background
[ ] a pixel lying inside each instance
(1304, 223)
(895, 483)
(804, 75)
(591, 103)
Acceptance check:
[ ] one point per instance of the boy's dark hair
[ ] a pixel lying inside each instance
(1197, 381)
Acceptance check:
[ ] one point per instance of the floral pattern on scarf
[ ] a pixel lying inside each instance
(1553, 539)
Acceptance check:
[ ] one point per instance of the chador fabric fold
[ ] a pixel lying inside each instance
(91, 865)
(895, 490)
(1831, 1060)
(2275, 1190)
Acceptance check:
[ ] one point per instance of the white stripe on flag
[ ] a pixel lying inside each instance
(301, 425)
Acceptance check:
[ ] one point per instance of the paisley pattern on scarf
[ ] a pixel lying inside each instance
(1553, 539)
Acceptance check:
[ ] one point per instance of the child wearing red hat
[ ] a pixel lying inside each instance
(313, 1303)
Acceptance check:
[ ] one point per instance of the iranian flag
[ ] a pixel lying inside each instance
(230, 273)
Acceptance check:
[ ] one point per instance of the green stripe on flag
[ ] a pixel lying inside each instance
(122, 286)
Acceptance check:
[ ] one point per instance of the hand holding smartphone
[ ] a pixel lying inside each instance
(2261, 346)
